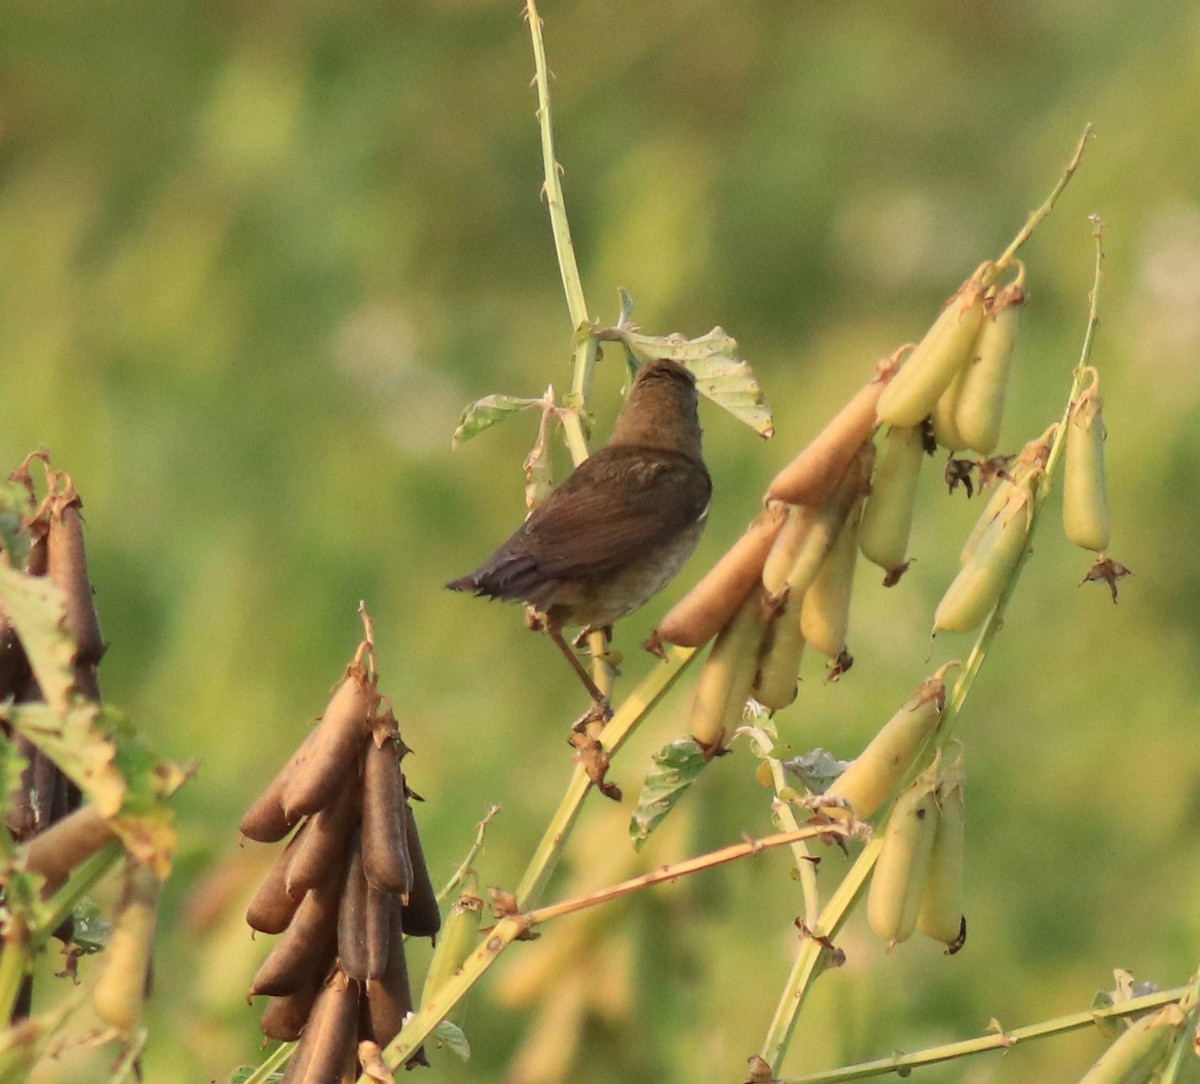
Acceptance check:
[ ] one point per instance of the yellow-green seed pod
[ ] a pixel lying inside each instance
(979, 583)
(941, 914)
(1085, 509)
(945, 411)
(888, 515)
(775, 686)
(822, 531)
(898, 883)
(913, 393)
(787, 548)
(1033, 457)
(456, 941)
(825, 613)
(878, 769)
(120, 988)
(727, 678)
(809, 478)
(979, 411)
(1140, 1051)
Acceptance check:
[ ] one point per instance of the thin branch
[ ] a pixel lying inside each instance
(903, 1064)
(1036, 218)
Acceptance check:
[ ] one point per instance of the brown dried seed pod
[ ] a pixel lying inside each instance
(273, 906)
(327, 837)
(389, 999)
(14, 666)
(67, 567)
(813, 473)
(420, 913)
(352, 920)
(708, 607)
(340, 734)
(285, 1018)
(386, 859)
(325, 1043)
(26, 801)
(55, 852)
(379, 914)
(266, 821)
(307, 945)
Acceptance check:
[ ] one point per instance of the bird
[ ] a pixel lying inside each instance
(618, 528)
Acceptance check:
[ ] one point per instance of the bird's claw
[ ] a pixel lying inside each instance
(600, 712)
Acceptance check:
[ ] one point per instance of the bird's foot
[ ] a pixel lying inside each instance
(593, 758)
(600, 712)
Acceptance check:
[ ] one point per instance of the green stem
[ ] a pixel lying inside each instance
(552, 188)
(464, 867)
(635, 707)
(46, 916)
(805, 868)
(813, 956)
(278, 1059)
(585, 349)
(903, 1064)
(15, 958)
(1036, 218)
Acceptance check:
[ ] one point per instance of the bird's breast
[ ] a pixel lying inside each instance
(596, 603)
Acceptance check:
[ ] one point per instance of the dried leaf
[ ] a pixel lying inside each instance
(721, 375)
(37, 608)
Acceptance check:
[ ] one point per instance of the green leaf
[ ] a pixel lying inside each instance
(817, 769)
(451, 1036)
(486, 412)
(676, 767)
(721, 375)
(247, 1071)
(37, 608)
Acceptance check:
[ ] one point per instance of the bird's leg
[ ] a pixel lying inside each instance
(600, 710)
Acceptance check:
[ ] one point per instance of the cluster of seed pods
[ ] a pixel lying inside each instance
(45, 816)
(349, 885)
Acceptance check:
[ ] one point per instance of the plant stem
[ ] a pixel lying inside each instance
(418, 1027)
(278, 1058)
(996, 1040)
(1036, 218)
(635, 707)
(465, 865)
(585, 347)
(813, 955)
(682, 869)
(15, 957)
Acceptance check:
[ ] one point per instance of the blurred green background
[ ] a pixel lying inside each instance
(255, 258)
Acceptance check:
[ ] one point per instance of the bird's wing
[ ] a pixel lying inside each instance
(616, 505)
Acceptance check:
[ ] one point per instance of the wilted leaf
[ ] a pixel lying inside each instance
(720, 374)
(676, 767)
(817, 769)
(37, 608)
(486, 412)
(451, 1036)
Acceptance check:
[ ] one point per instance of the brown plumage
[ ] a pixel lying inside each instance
(620, 526)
